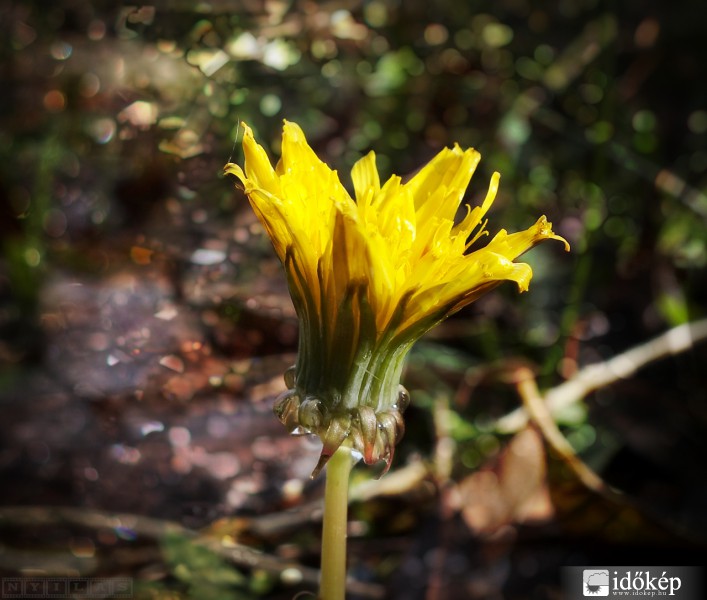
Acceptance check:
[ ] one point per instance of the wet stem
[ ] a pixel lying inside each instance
(332, 584)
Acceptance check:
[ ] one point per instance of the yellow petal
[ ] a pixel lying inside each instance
(473, 218)
(446, 175)
(438, 190)
(366, 180)
(232, 169)
(258, 169)
(514, 244)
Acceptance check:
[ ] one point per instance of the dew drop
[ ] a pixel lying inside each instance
(310, 413)
(299, 430)
(289, 377)
(403, 399)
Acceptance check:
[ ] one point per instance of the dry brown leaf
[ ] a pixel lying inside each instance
(511, 490)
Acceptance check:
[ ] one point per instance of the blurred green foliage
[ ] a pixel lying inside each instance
(201, 574)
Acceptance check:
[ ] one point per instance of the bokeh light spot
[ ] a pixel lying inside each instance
(89, 85)
(270, 105)
(436, 34)
(60, 50)
(643, 121)
(142, 114)
(96, 30)
(32, 257)
(497, 35)
(697, 121)
(375, 14)
(647, 32)
(54, 101)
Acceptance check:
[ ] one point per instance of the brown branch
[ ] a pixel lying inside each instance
(599, 375)
(540, 415)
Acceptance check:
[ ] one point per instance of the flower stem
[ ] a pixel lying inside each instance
(332, 585)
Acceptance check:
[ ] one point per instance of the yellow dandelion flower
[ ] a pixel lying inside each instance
(368, 276)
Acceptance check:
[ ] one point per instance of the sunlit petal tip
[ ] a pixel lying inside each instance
(523, 285)
(247, 131)
(364, 175)
(490, 194)
(233, 169)
(248, 141)
(544, 228)
(293, 131)
(521, 273)
(474, 156)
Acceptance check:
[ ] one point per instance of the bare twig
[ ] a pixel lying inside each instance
(622, 366)
(615, 503)
(537, 409)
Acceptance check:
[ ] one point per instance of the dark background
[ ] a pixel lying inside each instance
(145, 323)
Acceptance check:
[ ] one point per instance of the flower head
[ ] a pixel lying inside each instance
(368, 276)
